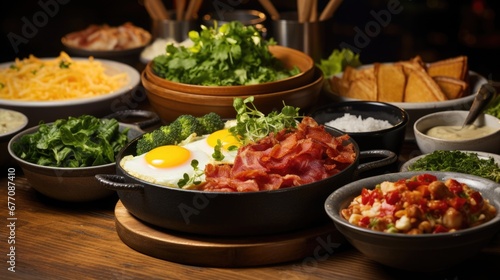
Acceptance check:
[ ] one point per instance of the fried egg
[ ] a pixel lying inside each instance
(166, 165)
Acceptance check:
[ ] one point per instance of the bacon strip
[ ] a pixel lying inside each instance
(283, 160)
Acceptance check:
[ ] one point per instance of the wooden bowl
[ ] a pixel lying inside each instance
(169, 104)
(290, 58)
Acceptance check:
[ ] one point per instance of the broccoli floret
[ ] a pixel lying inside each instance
(211, 122)
(145, 144)
(165, 135)
(188, 125)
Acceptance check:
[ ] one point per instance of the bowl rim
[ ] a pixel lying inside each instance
(478, 81)
(232, 89)
(17, 129)
(404, 120)
(110, 65)
(337, 194)
(464, 113)
(318, 78)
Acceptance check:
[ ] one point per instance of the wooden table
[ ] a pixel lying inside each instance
(56, 240)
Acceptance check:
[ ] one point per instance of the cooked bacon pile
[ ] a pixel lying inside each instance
(286, 159)
(105, 37)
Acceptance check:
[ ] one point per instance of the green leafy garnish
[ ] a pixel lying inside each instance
(458, 161)
(73, 142)
(195, 180)
(253, 125)
(217, 154)
(338, 61)
(233, 54)
(64, 64)
(494, 107)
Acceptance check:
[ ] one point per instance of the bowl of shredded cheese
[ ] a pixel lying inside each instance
(46, 89)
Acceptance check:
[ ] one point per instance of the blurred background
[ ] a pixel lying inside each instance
(433, 29)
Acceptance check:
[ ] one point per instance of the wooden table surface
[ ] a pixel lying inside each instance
(56, 240)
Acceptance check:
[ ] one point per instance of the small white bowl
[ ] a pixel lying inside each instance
(427, 144)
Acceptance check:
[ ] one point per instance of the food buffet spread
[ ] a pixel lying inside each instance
(228, 155)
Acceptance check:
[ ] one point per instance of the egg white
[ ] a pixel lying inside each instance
(137, 166)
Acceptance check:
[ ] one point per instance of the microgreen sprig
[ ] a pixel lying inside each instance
(253, 125)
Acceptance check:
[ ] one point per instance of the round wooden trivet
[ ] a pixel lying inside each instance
(222, 251)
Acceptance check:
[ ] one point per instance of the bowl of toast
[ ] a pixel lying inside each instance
(417, 86)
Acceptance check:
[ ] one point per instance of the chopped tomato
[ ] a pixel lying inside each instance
(438, 205)
(457, 202)
(392, 197)
(455, 187)
(368, 197)
(478, 199)
(440, 228)
(426, 178)
(364, 222)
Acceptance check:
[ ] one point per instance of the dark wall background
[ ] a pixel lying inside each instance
(433, 29)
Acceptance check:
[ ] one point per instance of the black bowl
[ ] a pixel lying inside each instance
(386, 139)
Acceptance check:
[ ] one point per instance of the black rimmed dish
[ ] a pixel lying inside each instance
(233, 213)
(390, 139)
(419, 252)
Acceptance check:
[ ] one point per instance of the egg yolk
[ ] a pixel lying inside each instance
(226, 137)
(167, 156)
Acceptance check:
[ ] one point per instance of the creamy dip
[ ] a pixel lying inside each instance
(456, 132)
(10, 121)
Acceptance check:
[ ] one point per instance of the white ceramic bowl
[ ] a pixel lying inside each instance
(418, 109)
(98, 106)
(7, 135)
(427, 144)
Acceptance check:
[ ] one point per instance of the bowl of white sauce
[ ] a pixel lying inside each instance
(373, 125)
(445, 131)
(11, 122)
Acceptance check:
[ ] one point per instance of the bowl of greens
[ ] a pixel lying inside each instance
(60, 159)
(482, 164)
(230, 60)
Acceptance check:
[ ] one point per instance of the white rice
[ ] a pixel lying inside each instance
(352, 123)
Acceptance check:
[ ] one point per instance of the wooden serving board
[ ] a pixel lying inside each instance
(223, 251)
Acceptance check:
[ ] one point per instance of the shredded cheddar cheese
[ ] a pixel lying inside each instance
(61, 78)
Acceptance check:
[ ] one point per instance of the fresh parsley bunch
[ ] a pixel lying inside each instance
(233, 54)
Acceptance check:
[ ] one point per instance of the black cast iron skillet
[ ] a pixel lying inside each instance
(234, 214)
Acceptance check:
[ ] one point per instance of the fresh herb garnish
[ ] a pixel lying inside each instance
(253, 125)
(73, 142)
(64, 64)
(233, 54)
(195, 180)
(458, 161)
(217, 154)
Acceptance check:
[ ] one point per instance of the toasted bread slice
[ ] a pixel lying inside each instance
(363, 89)
(420, 87)
(455, 67)
(391, 82)
(339, 85)
(451, 87)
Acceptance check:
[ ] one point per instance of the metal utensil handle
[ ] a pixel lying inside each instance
(483, 97)
(117, 183)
